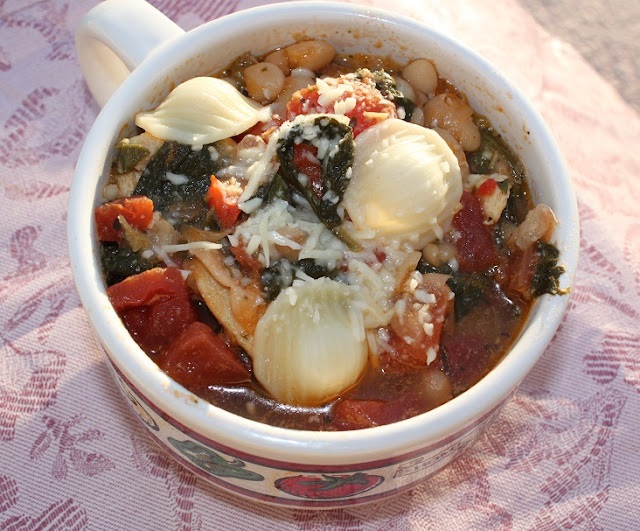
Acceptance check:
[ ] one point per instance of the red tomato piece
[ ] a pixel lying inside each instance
(469, 351)
(475, 247)
(521, 268)
(354, 414)
(405, 356)
(249, 263)
(223, 196)
(154, 306)
(467, 359)
(137, 210)
(409, 341)
(261, 128)
(487, 187)
(198, 358)
(369, 105)
(305, 159)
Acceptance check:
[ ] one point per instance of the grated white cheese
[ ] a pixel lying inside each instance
(424, 296)
(176, 179)
(263, 169)
(213, 153)
(191, 246)
(345, 106)
(269, 227)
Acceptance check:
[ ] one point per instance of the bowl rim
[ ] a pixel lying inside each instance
(282, 443)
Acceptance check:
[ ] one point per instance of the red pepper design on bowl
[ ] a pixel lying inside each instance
(327, 487)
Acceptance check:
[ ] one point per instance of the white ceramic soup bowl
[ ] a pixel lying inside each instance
(130, 67)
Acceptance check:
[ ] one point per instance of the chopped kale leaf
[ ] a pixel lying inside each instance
(335, 166)
(276, 188)
(517, 205)
(176, 179)
(275, 278)
(425, 267)
(492, 147)
(546, 278)
(387, 86)
(128, 154)
(119, 261)
(236, 70)
(280, 274)
(470, 290)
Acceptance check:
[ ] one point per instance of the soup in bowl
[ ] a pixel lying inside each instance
(320, 244)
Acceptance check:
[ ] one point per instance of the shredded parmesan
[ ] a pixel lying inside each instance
(176, 179)
(191, 246)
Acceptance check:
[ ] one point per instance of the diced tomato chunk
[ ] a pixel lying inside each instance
(260, 128)
(137, 210)
(521, 268)
(469, 350)
(467, 359)
(355, 414)
(198, 358)
(154, 306)
(405, 356)
(305, 159)
(370, 105)
(475, 247)
(223, 196)
(414, 337)
(249, 263)
(487, 187)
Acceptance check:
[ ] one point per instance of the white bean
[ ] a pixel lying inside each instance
(417, 117)
(422, 75)
(264, 81)
(437, 387)
(280, 59)
(302, 72)
(454, 115)
(457, 151)
(439, 253)
(421, 98)
(291, 85)
(502, 167)
(314, 55)
(405, 87)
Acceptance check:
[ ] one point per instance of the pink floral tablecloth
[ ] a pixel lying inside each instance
(564, 454)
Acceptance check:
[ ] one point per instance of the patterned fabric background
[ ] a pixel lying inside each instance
(563, 454)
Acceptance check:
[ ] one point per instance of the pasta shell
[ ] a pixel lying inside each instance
(310, 344)
(405, 185)
(200, 111)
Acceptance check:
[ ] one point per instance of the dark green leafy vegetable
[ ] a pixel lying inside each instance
(492, 148)
(128, 154)
(387, 86)
(236, 70)
(119, 261)
(425, 267)
(275, 278)
(483, 160)
(335, 165)
(314, 269)
(517, 204)
(280, 274)
(276, 188)
(546, 278)
(470, 290)
(171, 197)
(504, 186)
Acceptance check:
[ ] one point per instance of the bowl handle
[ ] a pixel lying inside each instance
(114, 37)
